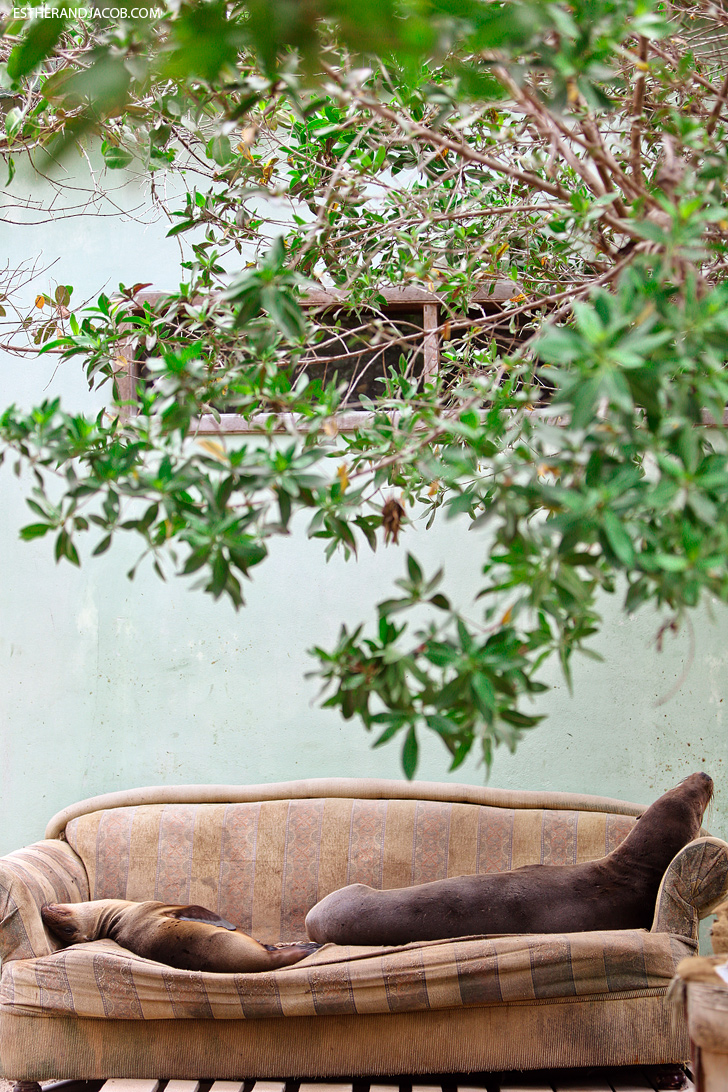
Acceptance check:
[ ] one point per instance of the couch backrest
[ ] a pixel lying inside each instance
(263, 865)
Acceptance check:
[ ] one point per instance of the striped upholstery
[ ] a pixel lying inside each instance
(103, 980)
(264, 865)
(45, 872)
(694, 884)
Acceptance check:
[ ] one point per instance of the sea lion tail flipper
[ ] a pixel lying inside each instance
(309, 945)
(283, 955)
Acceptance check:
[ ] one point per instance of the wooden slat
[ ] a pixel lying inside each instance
(328, 1086)
(120, 1084)
(431, 353)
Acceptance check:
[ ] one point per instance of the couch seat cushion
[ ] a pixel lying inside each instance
(103, 980)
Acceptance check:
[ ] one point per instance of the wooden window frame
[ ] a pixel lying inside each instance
(127, 375)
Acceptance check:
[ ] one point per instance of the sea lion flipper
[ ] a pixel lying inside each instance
(199, 913)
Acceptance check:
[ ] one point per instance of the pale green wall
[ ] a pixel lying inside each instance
(108, 684)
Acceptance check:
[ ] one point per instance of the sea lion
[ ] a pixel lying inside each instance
(189, 937)
(615, 892)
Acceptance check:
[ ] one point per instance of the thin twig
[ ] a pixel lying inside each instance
(637, 109)
(715, 112)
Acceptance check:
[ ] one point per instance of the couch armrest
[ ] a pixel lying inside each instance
(44, 872)
(695, 882)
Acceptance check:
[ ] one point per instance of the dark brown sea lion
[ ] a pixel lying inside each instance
(614, 892)
(189, 937)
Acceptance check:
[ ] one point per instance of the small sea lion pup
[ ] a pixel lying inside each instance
(615, 892)
(189, 937)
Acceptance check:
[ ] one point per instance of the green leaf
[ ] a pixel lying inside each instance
(441, 655)
(13, 121)
(196, 560)
(671, 563)
(484, 695)
(410, 754)
(618, 539)
(466, 641)
(585, 402)
(117, 158)
(220, 570)
(220, 150)
(102, 546)
(286, 314)
(440, 724)
(35, 530)
(185, 225)
(414, 570)
(64, 548)
(559, 346)
(35, 46)
(519, 720)
(461, 753)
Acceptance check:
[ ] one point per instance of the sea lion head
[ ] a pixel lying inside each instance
(71, 923)
(671, 822)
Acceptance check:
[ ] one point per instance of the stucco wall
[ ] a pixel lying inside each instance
(108, 684)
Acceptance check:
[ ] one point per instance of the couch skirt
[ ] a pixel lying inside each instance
(641, 1028)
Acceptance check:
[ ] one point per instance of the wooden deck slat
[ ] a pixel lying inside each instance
(121, 1084)
(306, 1086)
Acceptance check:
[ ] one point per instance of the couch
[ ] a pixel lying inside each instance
(262, 856)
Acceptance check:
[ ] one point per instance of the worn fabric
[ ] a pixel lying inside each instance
(694, 884)
(324, 788)
(263, 865)
(616, 1030)
(48, 871)
(103, 980)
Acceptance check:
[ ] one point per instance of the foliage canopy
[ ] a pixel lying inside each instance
(576, 151)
